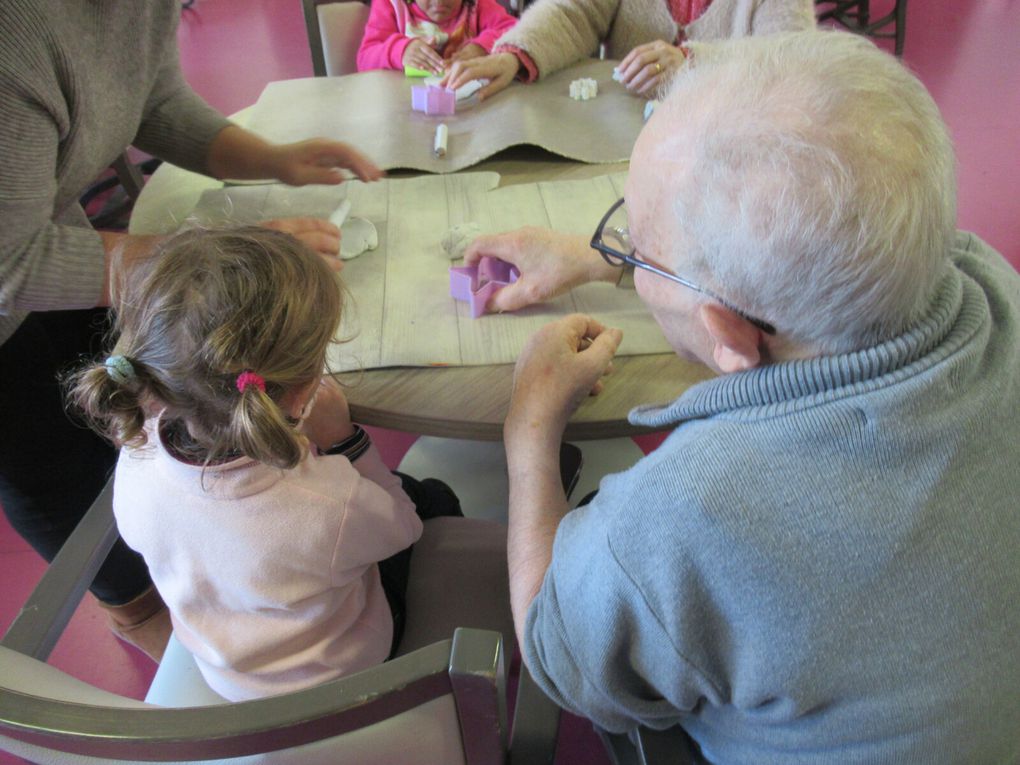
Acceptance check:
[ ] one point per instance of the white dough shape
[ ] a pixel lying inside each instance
(457, 238)
(584, 89)
(468, 89)
(357, 236)
(339, 215)
(617, 75)
(649, 108)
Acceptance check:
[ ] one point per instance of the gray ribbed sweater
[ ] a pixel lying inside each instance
(80, 80)
(821, 564)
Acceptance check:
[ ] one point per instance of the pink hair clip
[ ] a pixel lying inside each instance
(247, 378)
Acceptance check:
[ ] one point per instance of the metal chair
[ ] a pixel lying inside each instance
(442, 702)
(855, 15)
(335, 30)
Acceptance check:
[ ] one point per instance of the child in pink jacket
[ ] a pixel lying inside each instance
(429, 34)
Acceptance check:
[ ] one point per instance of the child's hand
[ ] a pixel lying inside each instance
(420, 55)
(329, 422)
(317, 234)
(471, 50)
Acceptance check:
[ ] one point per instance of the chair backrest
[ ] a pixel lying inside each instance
(440, 704)
(443, 702)
(335, 30)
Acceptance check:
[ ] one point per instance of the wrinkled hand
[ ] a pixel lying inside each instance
(648, 66)
(550, 264)
(499, 69)
(329, 422)
(469, 51)
(317, 234)
(560, 365)
(319, 160)
(421, 55)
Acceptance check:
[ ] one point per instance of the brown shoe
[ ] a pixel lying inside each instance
(143, 622)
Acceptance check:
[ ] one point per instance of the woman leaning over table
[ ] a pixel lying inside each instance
(79, 82)
(650, 36)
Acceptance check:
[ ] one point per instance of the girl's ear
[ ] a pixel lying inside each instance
(737, 341)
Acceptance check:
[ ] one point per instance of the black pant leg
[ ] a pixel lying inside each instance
(51, 468)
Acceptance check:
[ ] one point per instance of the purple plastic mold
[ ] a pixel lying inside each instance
(433, 99)
(476, 284)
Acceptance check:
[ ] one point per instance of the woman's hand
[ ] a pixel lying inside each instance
(648, 66)
(550, 263)
(499, 69)
(319, 160)
(317, 234)
(420, 55)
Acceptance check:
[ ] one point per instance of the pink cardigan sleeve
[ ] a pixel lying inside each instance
(493, 21)
(384, 42)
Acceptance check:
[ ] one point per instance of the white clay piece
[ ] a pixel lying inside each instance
(357, 235)
(457, 238)
(617, 75)
(584, 90)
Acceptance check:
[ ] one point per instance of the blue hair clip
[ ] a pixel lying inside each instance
(119, 369)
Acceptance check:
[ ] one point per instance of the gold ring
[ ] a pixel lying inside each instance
(658, 68)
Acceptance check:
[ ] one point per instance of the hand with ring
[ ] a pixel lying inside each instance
(648, 66)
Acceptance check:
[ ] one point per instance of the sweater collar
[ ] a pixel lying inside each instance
(954, 315)
(235, 479)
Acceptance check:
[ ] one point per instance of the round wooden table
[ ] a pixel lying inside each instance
(458, 402)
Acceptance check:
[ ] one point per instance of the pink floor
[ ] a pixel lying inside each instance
(967, 53)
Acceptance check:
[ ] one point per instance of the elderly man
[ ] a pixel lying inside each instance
(820, 564)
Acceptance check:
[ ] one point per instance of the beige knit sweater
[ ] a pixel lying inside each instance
(556, 33)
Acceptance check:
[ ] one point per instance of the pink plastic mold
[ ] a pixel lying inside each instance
(433, 99)
(476, 284)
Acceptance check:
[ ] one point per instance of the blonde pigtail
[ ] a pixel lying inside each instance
(260, 429)
(110, 397)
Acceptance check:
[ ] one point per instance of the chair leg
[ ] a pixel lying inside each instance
(536, 724)
(619, 747)
(130, 176)
(901, 25)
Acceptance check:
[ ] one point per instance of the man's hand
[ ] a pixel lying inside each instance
(560, 365)
(499, 69)
(329, 422)
(421, 55)
(647, 66)
(550, 263)
(317, 234)
(319, 160)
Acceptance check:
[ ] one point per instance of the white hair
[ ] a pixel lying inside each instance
(821, 195)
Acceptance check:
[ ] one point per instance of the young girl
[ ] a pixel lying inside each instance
(426, 34)
(277, 537)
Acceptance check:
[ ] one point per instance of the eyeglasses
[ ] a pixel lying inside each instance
(612, 240)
